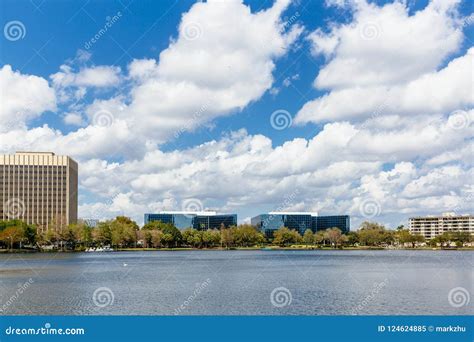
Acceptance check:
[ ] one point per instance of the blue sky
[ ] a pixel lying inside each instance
(375, 132)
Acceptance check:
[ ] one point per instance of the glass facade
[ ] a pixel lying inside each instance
(337, 221)
(268, 223)
(214, 221)
(196, 221)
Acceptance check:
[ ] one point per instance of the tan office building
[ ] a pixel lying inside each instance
(38, 188)
(432, 226)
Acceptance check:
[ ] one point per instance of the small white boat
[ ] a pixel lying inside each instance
(99, 249)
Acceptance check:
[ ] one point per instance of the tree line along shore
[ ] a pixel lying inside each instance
(123, 233)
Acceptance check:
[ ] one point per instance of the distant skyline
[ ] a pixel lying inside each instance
(336, 107)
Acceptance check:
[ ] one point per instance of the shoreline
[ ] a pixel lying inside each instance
(265, 248)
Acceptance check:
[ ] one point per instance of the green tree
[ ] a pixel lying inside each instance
(416, 238)
(151, 238)
(444, 239)
(166, 228)
(308, 237)
(156, 238)
(403, 236)
(28, 232)
(12, 235)
(461, 238)
(227, 237)
(102, 235)
(320, 238)
(123, 232)
(285, 237)
(352, 238)
(168, 240)
(192, 238)
(211, 238)
(334, 236)
(246, 235)
(374, 234)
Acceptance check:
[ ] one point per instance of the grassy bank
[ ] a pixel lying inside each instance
(268, 247)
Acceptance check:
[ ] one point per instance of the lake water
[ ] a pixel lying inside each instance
(238, 283)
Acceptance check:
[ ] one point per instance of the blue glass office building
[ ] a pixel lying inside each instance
(268, 223)
(342, 222)
(196, 220)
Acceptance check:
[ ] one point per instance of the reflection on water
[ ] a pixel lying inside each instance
(237, 283)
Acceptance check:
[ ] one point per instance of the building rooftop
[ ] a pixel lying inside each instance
(32, 153)
(293, 213)
(197, 213)
(444, 215)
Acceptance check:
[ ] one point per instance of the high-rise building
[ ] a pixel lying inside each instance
(300, 221)
(432, 226)
(38, 188)
(198, 220)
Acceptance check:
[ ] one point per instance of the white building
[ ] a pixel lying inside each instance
(432, 226)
